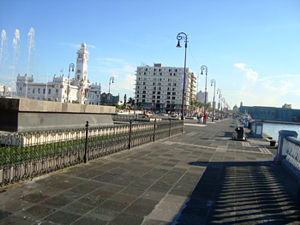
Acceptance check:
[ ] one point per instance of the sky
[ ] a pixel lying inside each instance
(251, 48)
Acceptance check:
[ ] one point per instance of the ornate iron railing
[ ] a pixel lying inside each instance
(25, 155)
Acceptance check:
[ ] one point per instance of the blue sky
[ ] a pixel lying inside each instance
(251, 48)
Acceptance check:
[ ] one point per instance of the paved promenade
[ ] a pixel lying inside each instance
(200, 177)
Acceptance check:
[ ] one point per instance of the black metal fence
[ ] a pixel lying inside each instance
(29, 154)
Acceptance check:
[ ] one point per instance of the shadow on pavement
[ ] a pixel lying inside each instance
(239, 193)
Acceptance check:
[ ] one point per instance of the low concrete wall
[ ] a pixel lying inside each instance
(288, 152)
(28, 114)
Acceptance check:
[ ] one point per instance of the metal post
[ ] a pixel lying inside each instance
(213, 82)
(203, 67)
(219, 104)
(85, 158)
(154, 128)
(170, 127)
(130, 130)
(71, 66)
(181, 36)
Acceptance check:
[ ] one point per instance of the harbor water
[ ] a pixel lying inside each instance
(272, 129)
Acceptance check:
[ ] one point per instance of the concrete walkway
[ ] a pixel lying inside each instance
(200, 177)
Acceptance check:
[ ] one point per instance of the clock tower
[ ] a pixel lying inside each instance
(81, 73)
(82, 63)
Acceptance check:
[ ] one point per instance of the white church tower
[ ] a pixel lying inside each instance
(81, 73)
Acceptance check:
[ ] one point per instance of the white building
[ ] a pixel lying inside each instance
(160, 88)
(61, 88)
(5, 91)
(200, 97)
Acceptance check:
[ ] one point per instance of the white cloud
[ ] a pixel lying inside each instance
(126, 83)
(281, 89)
(250, 74)
(121, 70)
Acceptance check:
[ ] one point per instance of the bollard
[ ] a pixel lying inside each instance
(130, 129)
(169, 128)
(85, 158)
(154, 127)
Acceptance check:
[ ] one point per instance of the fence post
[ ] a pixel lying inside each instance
(130, 129)
(169, 127)
(85, 158)
(154, 127)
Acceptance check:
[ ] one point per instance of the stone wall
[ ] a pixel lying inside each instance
(28, 114)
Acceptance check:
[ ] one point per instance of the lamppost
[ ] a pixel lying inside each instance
(219, 104)
(111, 81)
(213, 83)
(223, 101)
(203, 67)
(71, 66)
(183, 36)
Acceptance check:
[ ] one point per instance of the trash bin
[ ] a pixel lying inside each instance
(240, 134)
(272, 143)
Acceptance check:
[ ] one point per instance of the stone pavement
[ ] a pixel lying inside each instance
(200, 177)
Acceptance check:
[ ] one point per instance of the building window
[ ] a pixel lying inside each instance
(39, 90)
(49, 92)
(153, 92)
(33, 90)
(144, 83)
(56, 91)
(173, 98)
(154, 83)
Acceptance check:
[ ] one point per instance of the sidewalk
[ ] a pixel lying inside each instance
(199, 177)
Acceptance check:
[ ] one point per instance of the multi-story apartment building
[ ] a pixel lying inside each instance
(61, 88)
(160, 88)
(200, 96)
